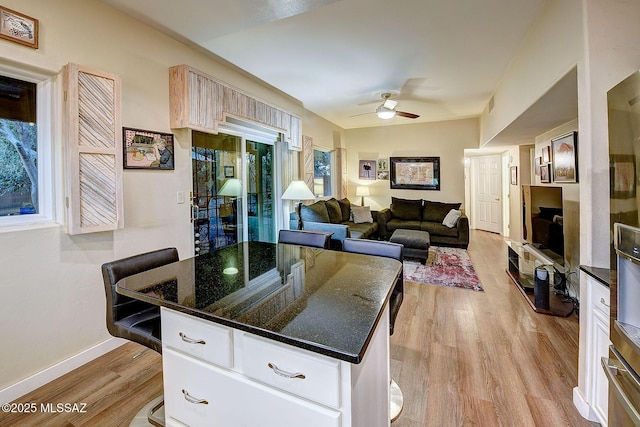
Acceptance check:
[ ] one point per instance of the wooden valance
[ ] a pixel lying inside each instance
(199, 101)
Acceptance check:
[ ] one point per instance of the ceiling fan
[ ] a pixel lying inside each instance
(387, 110)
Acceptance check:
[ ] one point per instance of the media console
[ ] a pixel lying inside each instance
(522, 263)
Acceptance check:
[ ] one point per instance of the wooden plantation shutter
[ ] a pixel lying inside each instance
(93, 150)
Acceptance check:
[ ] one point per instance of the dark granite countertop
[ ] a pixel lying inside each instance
(602, 275)
(324, 301)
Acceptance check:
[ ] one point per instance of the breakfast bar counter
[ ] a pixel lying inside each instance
(272, 334)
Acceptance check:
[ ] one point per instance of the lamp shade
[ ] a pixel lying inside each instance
(298, 190)
(231, 188)
(362, 190)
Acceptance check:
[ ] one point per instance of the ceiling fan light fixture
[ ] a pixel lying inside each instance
(385, 113)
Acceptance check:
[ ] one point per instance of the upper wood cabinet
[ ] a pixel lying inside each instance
(201, 102)
(93, 148)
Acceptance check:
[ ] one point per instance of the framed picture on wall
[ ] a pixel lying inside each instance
(565, 155)
(546, 155)
(383, 164)
(514, 175)
(18, 28)
(367, 169)
(545, 173)
(146, 149)
(415, 173)
(537, 163)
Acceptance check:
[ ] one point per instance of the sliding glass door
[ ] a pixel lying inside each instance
(233, 189)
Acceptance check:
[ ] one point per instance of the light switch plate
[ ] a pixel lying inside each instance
(180, 197)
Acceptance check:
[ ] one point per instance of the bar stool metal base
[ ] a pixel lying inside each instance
(396, 401)
(151, 415)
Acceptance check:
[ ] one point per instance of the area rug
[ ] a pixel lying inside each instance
(449, 267)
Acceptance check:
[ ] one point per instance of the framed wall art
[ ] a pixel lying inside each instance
(545, 173)
(18, 28)
(229, 171)
(546, 155)
(514, 175)
(565, 155)
(622, 176)
(367, 169)
(415, 173)
(383, 164)
(145, 149)
(537, 163)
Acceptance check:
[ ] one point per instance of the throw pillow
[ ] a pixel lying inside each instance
(451, 220)
(345, 206)
(361, 214)
(334, 211)
(406, 209)
(436, 211)
(315, 212)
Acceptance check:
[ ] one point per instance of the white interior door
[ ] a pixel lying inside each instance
(487, 188)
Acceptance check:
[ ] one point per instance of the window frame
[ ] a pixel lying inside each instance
(48, 157)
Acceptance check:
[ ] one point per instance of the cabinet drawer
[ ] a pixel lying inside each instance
(294, 370)
(196, 337)
(231, 399)
(601, 297)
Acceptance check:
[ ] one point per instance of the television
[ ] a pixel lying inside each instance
(543, 220)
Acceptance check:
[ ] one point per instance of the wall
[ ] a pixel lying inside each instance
(446, 140)
(552, 47)
(53, 304)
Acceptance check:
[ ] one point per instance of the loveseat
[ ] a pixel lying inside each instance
(427, 216)
(339, 217)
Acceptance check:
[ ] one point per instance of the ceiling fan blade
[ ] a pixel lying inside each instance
(407, 115)
(390, 104)
(363, 114)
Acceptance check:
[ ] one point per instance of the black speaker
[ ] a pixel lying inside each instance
(541, 288)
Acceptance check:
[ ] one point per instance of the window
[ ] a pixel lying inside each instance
(26, 181)
(18, 148)
(323, 172)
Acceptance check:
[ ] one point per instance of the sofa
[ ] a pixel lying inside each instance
(427, 216)
(339, 217)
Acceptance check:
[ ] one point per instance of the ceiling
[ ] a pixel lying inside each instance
(439, 59)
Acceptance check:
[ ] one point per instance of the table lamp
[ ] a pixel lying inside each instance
(298, 191)
(362, 190)
(232, 188)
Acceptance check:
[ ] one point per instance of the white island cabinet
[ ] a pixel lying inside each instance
(215, 375)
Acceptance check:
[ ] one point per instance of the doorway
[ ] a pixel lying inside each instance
(486, 182)
(233, 188)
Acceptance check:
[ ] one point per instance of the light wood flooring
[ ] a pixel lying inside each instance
(461, 358)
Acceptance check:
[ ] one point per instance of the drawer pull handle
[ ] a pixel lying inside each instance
(285, 374)
(603, 302)
(191, 340)
(192, 399)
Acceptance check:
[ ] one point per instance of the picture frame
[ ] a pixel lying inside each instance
(18, 27)
(145, 149)
(564, 150)
(622, 176)
(537, 163)
(415, 173)
(383, 164)
(514, 175)
(229, 171)
(383, 175)
(545, 173)
(367, 169)
(546, 155)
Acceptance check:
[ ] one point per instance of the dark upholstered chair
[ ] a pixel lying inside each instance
(129, 318)
(388, 250)
(315, 239)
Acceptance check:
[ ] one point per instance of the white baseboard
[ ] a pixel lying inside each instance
(45, 376)
(583, 407)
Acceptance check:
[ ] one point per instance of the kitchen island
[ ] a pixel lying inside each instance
(263, 334)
